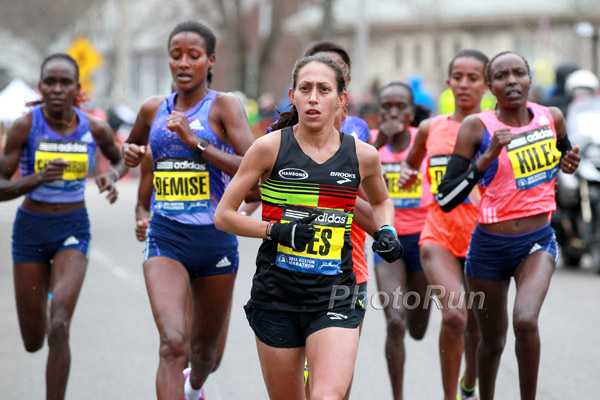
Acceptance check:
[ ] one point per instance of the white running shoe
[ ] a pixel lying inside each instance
(464, 395)
(186, 374)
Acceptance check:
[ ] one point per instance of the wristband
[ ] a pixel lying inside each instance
(117, 176)
(268, 231)
(389, 228)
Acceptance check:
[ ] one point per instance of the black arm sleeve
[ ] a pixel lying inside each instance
(457, 182)
(563, 145)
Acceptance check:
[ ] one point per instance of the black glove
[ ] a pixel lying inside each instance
(387, 245)
(296, 234)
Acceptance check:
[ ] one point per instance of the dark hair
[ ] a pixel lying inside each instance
(326, 45)
(420, 112)
(201, 30)
(289, 118)
(488, 68)
(80, 98)
(401, 84)
(469, 53)
(61, 56)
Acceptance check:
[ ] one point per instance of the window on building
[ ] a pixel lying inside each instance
(398, 56)
(457, 46)
(418, 55)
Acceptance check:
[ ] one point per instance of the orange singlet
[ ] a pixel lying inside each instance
(450, 230)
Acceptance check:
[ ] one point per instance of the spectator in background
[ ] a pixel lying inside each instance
(422, 96)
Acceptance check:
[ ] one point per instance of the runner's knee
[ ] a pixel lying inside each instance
(455, 321)
(494, 347)
(327, 393)
(524, 327)
(172, 344)
(58, 333)
(396, 327)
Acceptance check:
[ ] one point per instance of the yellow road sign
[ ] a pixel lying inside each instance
(88, 59)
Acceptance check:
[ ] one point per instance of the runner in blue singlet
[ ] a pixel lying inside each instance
(54, 146)
(197, 137)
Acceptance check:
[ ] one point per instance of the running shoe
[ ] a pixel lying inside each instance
(464, 394)
(186, 374)
(305, 371)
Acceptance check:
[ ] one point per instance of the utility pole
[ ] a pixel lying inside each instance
(362, 49)
(120, 86)
(595, 33)
(327, 22)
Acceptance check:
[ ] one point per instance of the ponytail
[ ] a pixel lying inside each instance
(286, 118)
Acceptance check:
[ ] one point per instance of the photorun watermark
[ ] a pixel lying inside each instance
(409, 300)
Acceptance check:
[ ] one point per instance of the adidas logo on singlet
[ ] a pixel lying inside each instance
(87, 137)
(196, 125)
(224, 262)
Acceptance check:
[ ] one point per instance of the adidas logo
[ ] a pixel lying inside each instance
(87, 137)
(224, 262)
(71, 240)
(535, 248)
(196, 125)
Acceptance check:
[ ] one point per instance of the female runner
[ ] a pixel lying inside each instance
(513, 153)
(445, 237)
(310, 174)
(197, 137)
(394, 139)
(54, 145)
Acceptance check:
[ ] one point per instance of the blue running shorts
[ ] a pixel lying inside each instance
(495, 257)
(39, 237)
(411, 255)
(202, 249)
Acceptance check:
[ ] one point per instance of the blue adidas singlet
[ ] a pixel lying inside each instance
(45, 145)
(356, 127)
(187, 188)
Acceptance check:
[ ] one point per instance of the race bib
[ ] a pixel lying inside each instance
(75, 153)
(437, 170)
(402, 198)
(323, 254)
(534, 157)
(181, 185)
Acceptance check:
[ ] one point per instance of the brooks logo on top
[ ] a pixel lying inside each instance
(346, 177)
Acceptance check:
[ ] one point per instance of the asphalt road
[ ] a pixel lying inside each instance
(114, 342)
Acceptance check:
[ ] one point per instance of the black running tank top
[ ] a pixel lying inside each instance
(302, 281)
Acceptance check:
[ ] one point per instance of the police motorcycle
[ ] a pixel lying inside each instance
(577, 219)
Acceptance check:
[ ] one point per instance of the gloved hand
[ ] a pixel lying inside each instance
(296, 234)
(387, 245)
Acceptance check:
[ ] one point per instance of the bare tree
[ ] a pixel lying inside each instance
(250, 61)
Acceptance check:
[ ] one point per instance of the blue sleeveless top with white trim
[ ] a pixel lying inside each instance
(44, 145)
(187, 188)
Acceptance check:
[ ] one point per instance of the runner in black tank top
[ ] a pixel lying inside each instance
(299, 187)
(310, 174)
